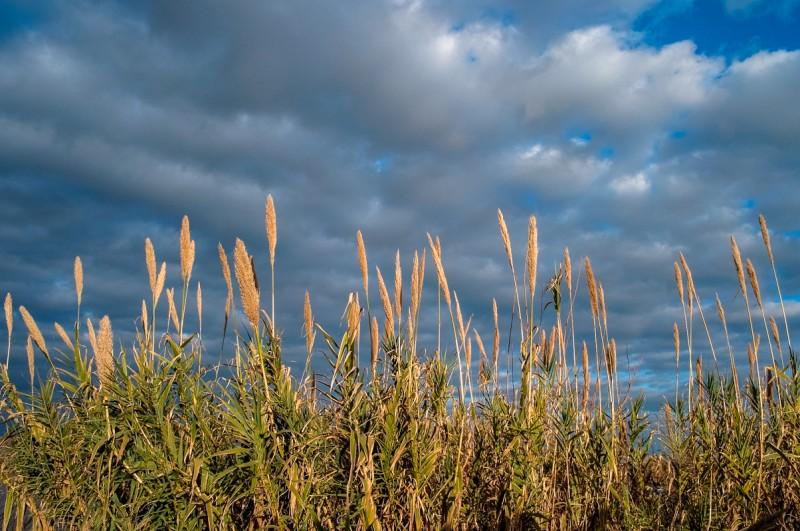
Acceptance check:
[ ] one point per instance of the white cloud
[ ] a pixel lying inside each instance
(635, 184)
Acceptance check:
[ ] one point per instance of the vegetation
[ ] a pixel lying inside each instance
(153, 437)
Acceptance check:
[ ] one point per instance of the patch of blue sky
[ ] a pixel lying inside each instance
(504, 17)
(382, 165)
(728, 28)
(17, 17)
(749, 204)
(606, 153)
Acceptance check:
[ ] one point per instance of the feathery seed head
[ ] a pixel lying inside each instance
(308, 323)
(592, 285)
(8, 308)
(33, 330)
(676, 341)
(532, 256)
(245, 277)
(385, 302)
(737, 262)
(64, 336)
(362, 263)
(162, 277)
(150, 262)
(373, 351)
(104, 356)
(567, 268)
(187, 250)
(226, 274)
(501, 222)
(173, 314)
(271, 222)
(461, 329)
(145, 326)
(398, 286)
(437, 262)
(689, 279)
(679, 280)
(762, 221)
(31, 358)
(479, 342)
(78, 273)
(751, 274)
(773, 326)
(721, 312)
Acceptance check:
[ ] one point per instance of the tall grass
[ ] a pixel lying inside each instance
(151, 437)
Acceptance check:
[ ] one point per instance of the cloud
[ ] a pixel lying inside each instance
(398, 118)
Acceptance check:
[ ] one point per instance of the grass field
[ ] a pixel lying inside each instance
(154, 437)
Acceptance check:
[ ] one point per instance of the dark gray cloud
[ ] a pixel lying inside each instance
(398, 118)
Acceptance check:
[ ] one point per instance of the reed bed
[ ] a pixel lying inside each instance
(535, 432)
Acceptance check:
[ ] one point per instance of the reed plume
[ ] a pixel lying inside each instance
(226, 274)
(567, 269)
(737, 263)
(762, 222)
(531, 258)
(186, 250)
(104, 355)
(145, 326)
(592, 286)
(751, 274)
(31, 360)
(679, 281)
(271, 225)
(501, 222)
(461, 330)
(245, 277)
(362, 264)
(768, 244)
(64, 336)
(414, 296)
(77, 270)
(373, 350)
(160, 280)
(33, 330)
(437, 262)
(308, 323)
(773, 326)
(385, 302)
(398, 288)
(150, 261)
(479, 342)
(173, 313)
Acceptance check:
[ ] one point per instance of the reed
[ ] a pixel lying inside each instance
(163, 439)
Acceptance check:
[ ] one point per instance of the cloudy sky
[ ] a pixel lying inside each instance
(633, 130)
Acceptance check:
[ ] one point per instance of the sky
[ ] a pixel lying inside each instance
(633, 129)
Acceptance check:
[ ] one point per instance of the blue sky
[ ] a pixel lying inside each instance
(734, 30)
(634, 130)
